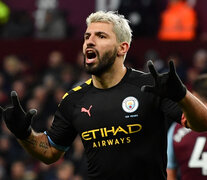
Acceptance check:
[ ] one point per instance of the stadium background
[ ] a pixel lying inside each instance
(41, 63)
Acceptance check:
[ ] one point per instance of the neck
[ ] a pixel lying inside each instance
(110, 78)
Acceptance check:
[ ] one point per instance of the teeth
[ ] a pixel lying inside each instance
(90, 51)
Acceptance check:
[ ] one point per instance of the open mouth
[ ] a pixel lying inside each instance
(90, 56)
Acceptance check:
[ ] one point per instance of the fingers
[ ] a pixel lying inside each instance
(15, 99)
(172, 66)
(152, 69)
(30, 115)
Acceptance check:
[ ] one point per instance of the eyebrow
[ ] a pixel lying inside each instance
(96, 33)
(101, 32)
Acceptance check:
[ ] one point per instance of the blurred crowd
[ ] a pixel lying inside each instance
(43, 90)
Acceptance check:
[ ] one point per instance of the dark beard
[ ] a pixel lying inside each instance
(105, 63)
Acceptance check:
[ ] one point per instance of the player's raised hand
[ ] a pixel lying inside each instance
(17, 121)
(167, 85)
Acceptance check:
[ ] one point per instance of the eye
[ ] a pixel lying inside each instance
(86, 36)
(102, 36)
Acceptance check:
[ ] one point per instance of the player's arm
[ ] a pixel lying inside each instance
(19, 123)
(171, 174)
(38, 146)
(169, 85)
(195, 112)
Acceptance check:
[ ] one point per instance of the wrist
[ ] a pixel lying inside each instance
(24, 134)
(179, 96)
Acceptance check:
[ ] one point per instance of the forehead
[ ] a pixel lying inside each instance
(100, 27)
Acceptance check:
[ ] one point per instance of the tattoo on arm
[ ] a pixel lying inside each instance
(39, 147)
(31, 141)
(43, 145)
(35, 143)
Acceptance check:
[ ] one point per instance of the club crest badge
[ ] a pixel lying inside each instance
(130, 104)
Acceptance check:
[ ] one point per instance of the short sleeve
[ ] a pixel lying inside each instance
(62, 133)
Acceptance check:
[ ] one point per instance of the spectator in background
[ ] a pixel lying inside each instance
(187, 148)
(191, 75)
(40, 99)
(65, 171)
(18, 170)
(54, 27)
(81, 76)
(57, 73)
(29, 73)
(3, 174)
(45, 172)
(200, 60)
(53, 69)
(11, 70)
(143, 15)
(10, 151)
(5, 148)
(198, 66)
(68, 77)
(178, 22)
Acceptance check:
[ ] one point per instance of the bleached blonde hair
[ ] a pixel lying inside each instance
(120, 24)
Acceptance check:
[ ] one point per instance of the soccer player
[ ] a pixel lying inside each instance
(187, 148)
(119, 113)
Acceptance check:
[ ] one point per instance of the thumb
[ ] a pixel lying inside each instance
(172, 67)
(30, 114)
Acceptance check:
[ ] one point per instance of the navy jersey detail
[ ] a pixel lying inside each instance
(122, 129)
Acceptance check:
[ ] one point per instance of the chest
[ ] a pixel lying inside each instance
(119, 111)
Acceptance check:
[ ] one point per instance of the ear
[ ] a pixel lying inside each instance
(123, 49)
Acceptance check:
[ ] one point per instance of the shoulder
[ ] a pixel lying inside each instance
(77, 92)
(139, 77)
(137, 73)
